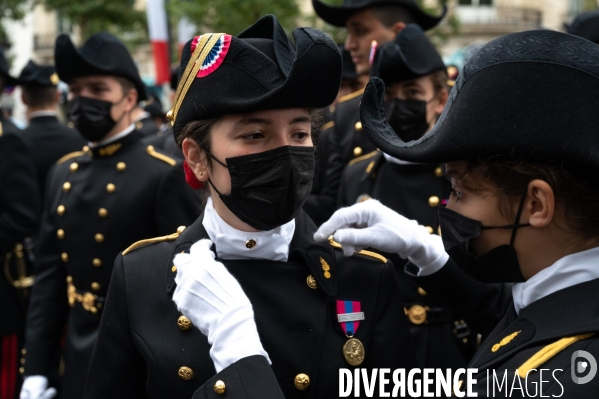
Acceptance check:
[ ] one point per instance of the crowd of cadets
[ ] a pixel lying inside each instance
(73, 196)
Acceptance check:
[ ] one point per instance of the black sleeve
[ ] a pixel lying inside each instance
(48, 308)
(342, 200)
(177, 204)
(116, 369)
(19, 192)
(481, 305)
(248, 378)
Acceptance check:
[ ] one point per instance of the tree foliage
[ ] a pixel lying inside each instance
(233, 16)
(116, 16)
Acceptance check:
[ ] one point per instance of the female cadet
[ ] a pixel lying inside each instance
(243, 114)
(519, 138)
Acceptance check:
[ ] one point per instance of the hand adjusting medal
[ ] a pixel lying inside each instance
(349, 316)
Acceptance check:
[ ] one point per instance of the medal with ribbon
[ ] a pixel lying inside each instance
(349, 314)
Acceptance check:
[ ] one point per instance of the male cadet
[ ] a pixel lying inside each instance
(48, 139)
(586, 25)
(19, 217)
(366, 21)
(99, 201)
(415, 94)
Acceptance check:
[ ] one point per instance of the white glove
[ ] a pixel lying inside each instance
(34, 387)
(370, 224)
(215, 303)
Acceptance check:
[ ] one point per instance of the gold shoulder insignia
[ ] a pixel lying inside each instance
(369, 254)
(109, 149)
(363, 157)
(141, 243)
(70, 155)
(548, 352)
(160, 156)
(327, 126)
(348, 97)
(505, 341)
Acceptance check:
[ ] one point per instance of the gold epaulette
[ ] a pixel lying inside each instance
(141, 243)
(363, 157)
(160, 156)
(348, 97)
(1, 129)
(327, 125)
(369, 254)
(70, 155)
(548, 352)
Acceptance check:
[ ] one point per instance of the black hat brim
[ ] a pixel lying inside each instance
(338, 15)
(78, 66)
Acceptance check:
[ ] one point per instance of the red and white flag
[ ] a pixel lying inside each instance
(158, 29)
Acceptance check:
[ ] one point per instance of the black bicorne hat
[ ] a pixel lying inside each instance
(586, 25)
(257, 70)
(102, 54)
(338, 15)
(411, 55)
(349, 68)
(530, 95)
(4, 71)
(34, 75)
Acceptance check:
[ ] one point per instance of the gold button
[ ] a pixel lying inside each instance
(170, 116)
(433, 201)
(65, 257)
(23, 360)
(110, 188)
(185, 373)
(22, 370)
(72, 126)
(121, 166)
(180, 229)
(421, 291)
(99, 237)
(60, 210)
(439, 171)
(174, 269)
(138, 125)
(184, 323)
(250, 244)
(219, 387)
(60, 234)
(66, 186)
(96, 286)
(23, 351)
(430, 230)
(69, 279)
(97, 262)
(85, 148)
(358, 126)
(311, 281)
(74, 166)
(102, 212)
(357, 151)
(301, 381)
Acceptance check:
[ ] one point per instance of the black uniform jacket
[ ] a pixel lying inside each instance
(142, 352)
(314, 203)
(98, 202)
(49, 140)
(19, 215)
(441, 337)
(346, 141)
(540, 343)
(146, 126)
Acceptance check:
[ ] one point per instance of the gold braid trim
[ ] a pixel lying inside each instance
(198, 57)
(141, 243)
(70, 155)
(160, 156)
(369, 254)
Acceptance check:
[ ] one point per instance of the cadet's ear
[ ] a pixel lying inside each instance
(539, 207)
(196, 159)
(398, 27)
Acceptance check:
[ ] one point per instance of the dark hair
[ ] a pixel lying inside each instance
(576, 197)
(391, 14)
(39, 97)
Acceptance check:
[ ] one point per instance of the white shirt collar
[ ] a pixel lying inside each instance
(141, 116)
(42, 113)
(231, 243)
(114, 138)
(391, 159)
(568, 271)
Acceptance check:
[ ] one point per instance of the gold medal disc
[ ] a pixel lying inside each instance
(354, 352)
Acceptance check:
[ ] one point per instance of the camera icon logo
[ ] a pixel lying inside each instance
(578, 366)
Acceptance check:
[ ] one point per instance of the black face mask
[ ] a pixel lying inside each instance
(269, 188)
(499, 265)
(91, 117)
(407, 118)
